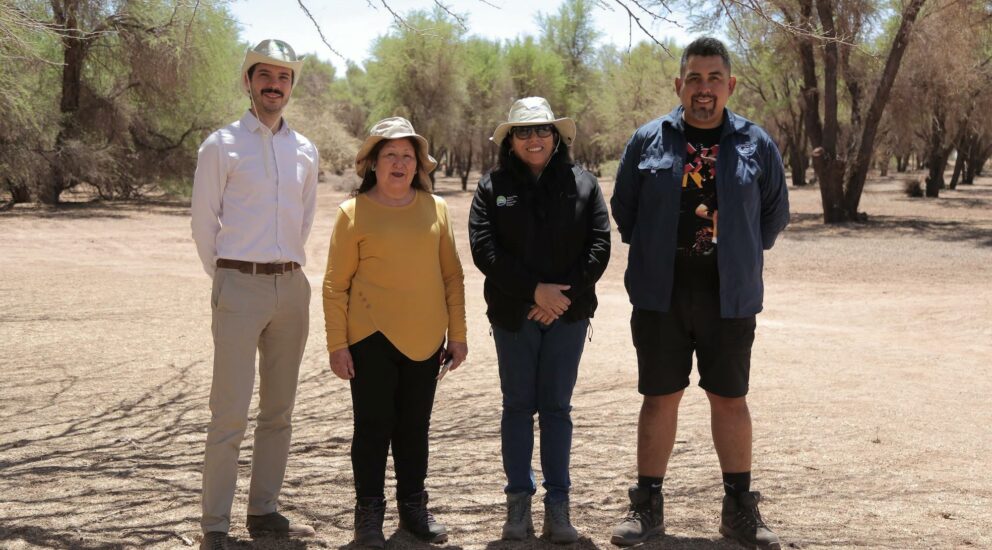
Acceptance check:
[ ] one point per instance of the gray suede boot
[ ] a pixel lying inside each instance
(557, 524)
(519, 524)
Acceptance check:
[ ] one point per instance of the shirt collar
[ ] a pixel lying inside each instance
(252, 124)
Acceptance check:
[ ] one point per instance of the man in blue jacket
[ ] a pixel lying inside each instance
(679, 176)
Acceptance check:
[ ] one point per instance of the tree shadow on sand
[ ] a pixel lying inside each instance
(126, 474)
(811, 226)
(99, 209)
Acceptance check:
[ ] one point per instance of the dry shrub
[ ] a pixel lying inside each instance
(317, 120)
(913, 188)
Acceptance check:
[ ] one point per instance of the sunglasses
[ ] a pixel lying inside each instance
(524, 132)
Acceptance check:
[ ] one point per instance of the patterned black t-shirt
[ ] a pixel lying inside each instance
(696, 250)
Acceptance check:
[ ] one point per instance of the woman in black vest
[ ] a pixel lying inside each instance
(540, 233)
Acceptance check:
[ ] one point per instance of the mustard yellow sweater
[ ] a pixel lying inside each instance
(394, 269)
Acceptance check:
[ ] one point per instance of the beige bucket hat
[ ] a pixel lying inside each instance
(395, 128)
(534, 111)
(273, 52)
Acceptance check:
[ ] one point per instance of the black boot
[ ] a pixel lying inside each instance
(741, 521)
(369, 512)
(645, 518)
(416, 518)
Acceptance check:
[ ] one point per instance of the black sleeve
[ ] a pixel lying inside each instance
(504, 270)
(596, 253)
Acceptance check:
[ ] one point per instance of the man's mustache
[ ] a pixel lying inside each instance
(271, 91)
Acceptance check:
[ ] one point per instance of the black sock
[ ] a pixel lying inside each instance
(652, 484)
(736, 484)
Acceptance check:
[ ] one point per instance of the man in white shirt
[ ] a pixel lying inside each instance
(254, 195)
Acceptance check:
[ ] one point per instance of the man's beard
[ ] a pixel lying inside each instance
(700, 112)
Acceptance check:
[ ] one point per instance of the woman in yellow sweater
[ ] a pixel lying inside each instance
(393, 289)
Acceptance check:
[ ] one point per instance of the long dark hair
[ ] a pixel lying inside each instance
(509, 163)
(368, 180)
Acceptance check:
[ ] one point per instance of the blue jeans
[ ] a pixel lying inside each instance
(538, 366)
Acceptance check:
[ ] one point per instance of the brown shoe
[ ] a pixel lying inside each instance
(214, 540)
(276, 525)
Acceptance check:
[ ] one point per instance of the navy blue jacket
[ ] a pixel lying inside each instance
(754, 208)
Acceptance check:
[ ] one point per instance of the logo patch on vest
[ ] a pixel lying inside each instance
(506, 201)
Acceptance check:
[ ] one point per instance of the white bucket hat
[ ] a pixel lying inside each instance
(534, 111)
(273, 52)
(396, 128)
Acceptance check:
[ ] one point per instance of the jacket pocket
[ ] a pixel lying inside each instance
(748, 171)
(653, 165)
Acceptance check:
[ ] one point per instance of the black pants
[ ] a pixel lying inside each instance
(392, 396)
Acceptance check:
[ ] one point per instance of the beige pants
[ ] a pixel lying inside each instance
(269, 313)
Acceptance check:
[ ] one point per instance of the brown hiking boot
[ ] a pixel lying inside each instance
(416, 518)
(369, 513)
(741, 521)
(645, 518)
(276, 525)
(214, 540)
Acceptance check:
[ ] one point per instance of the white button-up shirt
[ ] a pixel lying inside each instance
(254, 194)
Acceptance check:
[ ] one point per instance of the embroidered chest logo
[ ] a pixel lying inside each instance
(506, 201)
(702, 165)
(747, 149)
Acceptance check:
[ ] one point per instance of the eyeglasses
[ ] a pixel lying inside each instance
(524, 132)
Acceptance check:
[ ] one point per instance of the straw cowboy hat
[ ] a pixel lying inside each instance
(273, 52)
(395, 128)
(534, 111)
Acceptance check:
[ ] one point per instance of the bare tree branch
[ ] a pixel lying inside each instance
(637, 20)
(320, 31)
(190, 25)
(459, 19)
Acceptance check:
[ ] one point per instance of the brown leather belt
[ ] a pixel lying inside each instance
(252, 268)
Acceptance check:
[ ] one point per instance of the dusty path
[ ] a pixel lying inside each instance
(870, 389)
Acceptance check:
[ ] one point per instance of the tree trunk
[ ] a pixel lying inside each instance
(855, 184)
(19, 192)
(958, 168)
(798, 162)
(466, 166)
(74, 47)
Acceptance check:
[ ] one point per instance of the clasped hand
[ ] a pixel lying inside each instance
(549, 303)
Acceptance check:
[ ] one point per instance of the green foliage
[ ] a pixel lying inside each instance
(638, 86)
(416, 72)
(154, 78)
(314, 112)
(535, 71)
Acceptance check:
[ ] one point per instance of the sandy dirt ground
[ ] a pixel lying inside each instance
(870, 389)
